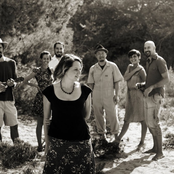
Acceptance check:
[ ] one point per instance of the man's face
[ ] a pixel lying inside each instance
(59, 50)
(149, 49)
(1, 50)
(101, 56)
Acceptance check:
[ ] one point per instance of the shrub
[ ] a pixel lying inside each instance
(169, 88)
(169, 143)
(13, 156)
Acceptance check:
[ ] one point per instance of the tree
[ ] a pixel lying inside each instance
(121, 25)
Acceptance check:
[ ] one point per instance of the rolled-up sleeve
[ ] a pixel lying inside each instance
(116, 73)
(91, 76)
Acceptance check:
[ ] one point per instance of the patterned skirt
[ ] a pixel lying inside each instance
(38, 105)
(67, 157)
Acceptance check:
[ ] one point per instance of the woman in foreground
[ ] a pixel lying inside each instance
(68, 145)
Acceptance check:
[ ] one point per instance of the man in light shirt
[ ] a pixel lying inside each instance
(58, 52)
(103, 79)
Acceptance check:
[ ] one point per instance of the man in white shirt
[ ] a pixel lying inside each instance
(58, 52)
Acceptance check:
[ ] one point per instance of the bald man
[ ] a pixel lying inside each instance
(157, 77)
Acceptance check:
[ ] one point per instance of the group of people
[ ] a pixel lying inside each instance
(63, 104)
(145, 91)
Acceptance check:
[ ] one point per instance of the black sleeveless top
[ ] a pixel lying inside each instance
(68, 122)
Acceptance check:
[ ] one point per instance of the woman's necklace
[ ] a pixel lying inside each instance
(64, 90)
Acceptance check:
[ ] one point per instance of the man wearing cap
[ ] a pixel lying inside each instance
(8, 112)
(104, 78)
(157, 77)
(58, 52)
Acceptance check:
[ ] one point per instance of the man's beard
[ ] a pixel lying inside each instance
(58, 55)
(147, 53)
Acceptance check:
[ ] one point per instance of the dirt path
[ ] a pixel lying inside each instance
(138, 162)
(135, 162)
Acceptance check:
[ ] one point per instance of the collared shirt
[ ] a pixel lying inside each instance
(154, 69)
(54, 62)
(104, 79)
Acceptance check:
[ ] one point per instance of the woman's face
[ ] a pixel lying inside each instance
(134, 59)
(74, 72)
(45, 59)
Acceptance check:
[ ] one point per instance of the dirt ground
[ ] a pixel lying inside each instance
(132, 161)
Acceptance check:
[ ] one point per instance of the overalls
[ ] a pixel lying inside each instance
(103, 93)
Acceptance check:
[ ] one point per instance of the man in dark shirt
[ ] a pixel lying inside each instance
(157, 77)
(8, 112)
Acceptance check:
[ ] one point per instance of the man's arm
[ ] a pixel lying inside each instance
(90, 80)
(164, 81)
(117, 88)
(11, 81)
(91, 85)
(2, 87)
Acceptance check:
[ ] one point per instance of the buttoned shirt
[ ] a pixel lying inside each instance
(104, 79)
(54, 62)
(154, 68)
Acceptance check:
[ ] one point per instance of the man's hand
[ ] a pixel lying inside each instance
(10, 82)
(2, 87)
(140, 86)
(147, 91)
(116, 99)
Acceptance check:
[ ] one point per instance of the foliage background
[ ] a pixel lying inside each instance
(31, 26)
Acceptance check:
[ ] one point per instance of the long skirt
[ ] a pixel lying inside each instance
(67, 157)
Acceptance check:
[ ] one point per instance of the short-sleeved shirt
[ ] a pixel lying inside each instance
(53, 63)
(154, 70)
(68, 117)
(104, 78)
(8, 70)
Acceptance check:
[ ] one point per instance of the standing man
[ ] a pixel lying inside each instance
(8, 112)
(157, 77)
(58, 53)
(104, 78)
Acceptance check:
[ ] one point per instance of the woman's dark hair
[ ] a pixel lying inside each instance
(134, 51)
(65, 63)
(45, 53)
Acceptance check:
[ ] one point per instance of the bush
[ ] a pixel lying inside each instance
(13, 156)
(169, 143)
